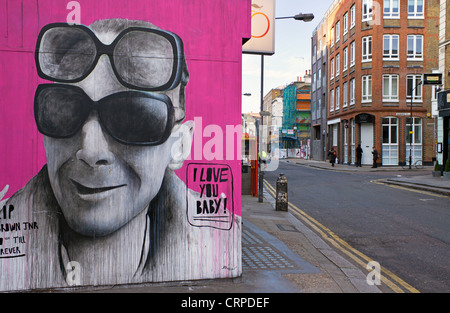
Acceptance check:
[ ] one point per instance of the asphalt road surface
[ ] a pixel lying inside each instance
(407, 232)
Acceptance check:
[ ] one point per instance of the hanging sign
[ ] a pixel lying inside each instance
(263, 28)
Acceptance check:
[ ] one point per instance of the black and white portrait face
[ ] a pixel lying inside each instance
(108, 144)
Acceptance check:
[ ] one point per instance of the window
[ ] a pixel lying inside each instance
(319, 78)
(366, 88)
(412, 82)
(313, 110)
(338, 31)
(345, 61)
(366, 10)
(332, 37)
(390, 47)
(414, 148)
(352, 135)
(346, 144)
(390, 141)
(345, 95)
(338, 97)
(319, 49)
(332, 69)
(415, 9)
(352, 91)
(417, 130)
(324, 80)
(345, 23)
(313, 85)
(390, 88)
(366, 48)
(334, 132)
(314, 56)
(332, 100)
(415, 47)
(391, 9)
(338, 64)
(352, 53)
(319, 108)
(352, 16)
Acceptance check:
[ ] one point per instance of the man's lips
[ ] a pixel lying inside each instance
(83, 190)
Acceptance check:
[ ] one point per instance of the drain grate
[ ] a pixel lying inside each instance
(258, 254)
(287, 228)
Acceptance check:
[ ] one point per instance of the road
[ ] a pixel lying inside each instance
(406, 232)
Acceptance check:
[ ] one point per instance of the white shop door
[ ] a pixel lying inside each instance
(367, 143)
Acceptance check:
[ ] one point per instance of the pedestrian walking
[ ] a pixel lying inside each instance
(375, 157)
(332, 155)
(359, 152)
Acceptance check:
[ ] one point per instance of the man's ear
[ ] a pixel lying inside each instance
(181, 147)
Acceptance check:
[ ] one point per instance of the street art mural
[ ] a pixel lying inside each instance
(111, 171)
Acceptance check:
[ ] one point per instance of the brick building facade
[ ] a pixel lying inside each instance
(319, 91)
(378, 51)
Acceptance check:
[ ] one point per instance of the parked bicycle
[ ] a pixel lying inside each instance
(416, 165)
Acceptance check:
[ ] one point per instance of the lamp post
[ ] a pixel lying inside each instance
(308, 17)
(411, 130)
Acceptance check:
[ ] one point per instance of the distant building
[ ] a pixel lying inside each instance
(273, 105)
(377, 52)
(296, 113)
(319, 91)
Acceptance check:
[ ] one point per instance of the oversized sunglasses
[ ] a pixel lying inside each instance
(142, 58)
(130, 117)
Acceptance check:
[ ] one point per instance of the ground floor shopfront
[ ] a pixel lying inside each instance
(395, 135)
(443, 140)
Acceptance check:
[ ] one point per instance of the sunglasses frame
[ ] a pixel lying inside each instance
(101, 49)
(95, 105)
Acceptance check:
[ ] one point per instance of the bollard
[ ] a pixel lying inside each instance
(282, 196)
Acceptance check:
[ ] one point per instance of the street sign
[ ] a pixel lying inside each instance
(432, 79)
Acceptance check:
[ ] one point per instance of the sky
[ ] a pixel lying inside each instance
(292, 51)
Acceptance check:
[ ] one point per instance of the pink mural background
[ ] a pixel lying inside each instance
(212, 36)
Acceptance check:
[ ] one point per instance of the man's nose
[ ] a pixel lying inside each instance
(94, 150)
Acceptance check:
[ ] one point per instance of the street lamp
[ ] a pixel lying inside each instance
(308, 17)
(411, 131)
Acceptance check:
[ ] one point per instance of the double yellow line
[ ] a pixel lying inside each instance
(390, 279)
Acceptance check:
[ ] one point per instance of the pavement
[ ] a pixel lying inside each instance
(282, 254)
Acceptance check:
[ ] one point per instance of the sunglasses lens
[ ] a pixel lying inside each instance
(60, 111)
(137, 119)
(145, 59)
(66, 53)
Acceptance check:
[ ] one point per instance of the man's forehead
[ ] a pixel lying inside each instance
(107, 30)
